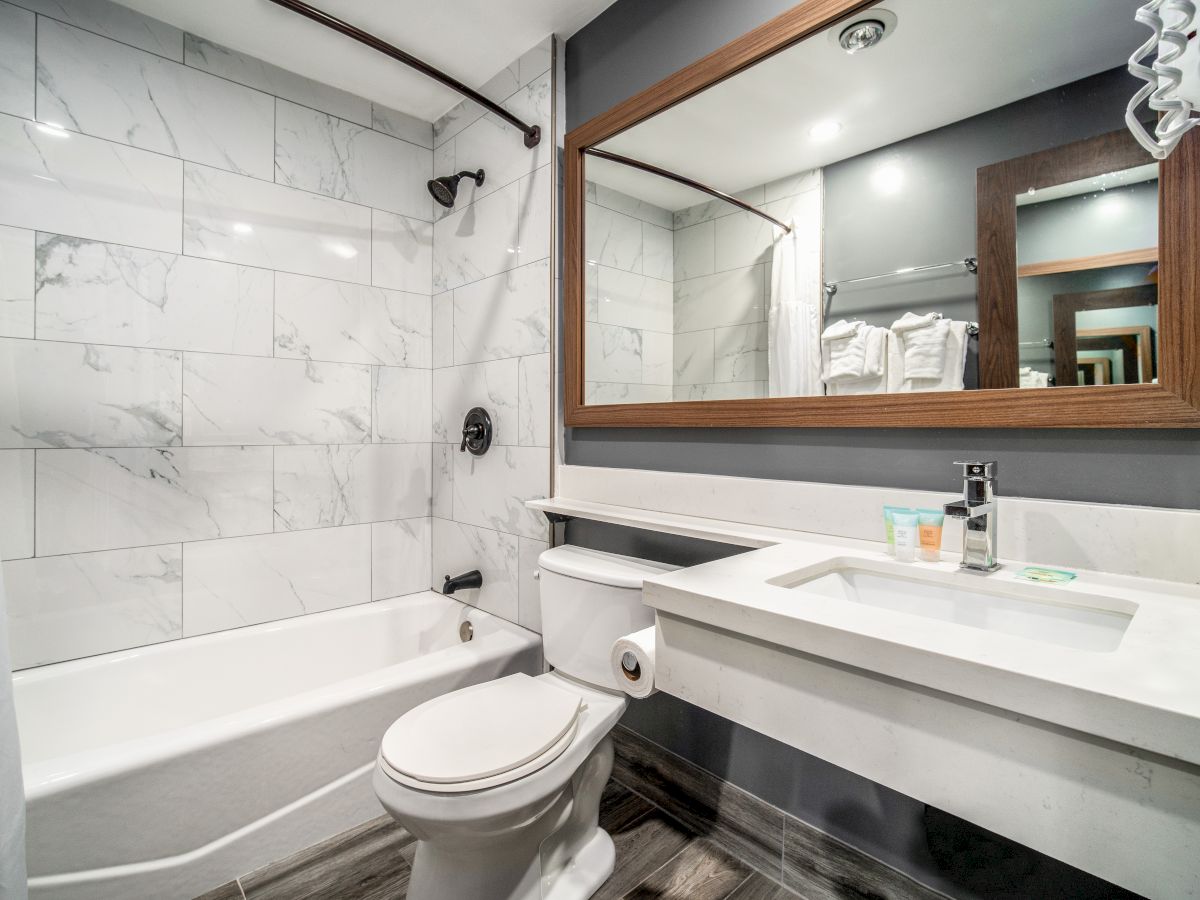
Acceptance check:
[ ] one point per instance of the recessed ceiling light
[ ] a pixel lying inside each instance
(825, 131)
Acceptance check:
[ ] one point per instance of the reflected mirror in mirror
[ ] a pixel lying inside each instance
(847, 261)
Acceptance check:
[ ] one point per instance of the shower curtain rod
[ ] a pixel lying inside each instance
(532, 133)
(682, 179)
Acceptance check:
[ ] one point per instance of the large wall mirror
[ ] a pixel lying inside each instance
(915, 212)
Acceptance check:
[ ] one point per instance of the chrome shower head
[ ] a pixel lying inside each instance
(445, 189)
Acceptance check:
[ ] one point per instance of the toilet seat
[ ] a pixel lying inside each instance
(481, 736)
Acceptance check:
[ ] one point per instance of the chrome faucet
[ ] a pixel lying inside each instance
(977, 509)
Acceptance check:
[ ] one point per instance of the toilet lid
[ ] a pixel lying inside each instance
(482, 731)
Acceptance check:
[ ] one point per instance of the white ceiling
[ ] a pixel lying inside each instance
(471, 40)
(945, 60)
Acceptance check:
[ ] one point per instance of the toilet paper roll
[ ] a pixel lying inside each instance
(633, 663)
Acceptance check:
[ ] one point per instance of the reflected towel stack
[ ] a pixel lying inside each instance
(1032, 378)
(929, 353)
(855, 358)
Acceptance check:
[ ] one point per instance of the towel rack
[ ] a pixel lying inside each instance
(971, 264)
(1044, 342)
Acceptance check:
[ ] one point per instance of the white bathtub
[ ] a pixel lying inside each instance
(164, 771)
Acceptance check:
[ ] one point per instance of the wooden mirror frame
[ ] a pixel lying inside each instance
(1172, 403)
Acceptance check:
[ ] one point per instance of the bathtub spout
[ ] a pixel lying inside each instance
(472, 579)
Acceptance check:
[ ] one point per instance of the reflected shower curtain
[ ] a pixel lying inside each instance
(794, 314)
(12, 788)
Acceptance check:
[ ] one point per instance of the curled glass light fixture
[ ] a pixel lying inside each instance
(1161, 62)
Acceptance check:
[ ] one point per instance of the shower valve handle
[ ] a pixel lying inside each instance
(477, 432)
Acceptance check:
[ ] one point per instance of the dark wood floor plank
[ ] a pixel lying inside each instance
(700, 871)
(620, 807)
(760, 887)
(229, 891)
(365, 863)
(643, 845)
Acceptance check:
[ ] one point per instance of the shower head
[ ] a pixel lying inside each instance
(445, 189)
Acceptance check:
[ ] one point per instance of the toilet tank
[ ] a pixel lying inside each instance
(588, 600)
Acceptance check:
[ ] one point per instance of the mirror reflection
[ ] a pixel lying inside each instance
(847, 260)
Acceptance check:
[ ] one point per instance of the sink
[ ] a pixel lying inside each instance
(1037, 612)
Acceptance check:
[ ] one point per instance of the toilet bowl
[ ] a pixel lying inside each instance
(500, 782)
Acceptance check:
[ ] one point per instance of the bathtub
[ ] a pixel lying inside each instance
(164, 771)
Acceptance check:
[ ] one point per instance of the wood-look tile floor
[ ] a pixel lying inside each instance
(657, 859)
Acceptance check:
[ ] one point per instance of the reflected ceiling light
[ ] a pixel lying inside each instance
(53, 130)
(865, 33)
(888, 178)
(825, 131)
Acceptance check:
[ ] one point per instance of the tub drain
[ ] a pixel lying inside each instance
(466, 631)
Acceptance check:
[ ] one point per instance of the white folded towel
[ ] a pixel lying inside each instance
(1032, 378)
(843, 351)
(924, 344)
(879, 343)
(952, 377)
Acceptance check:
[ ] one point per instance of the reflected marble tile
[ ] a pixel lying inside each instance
(503, 316)
(443, 330)
(401, 125)
(634, 301)
(16, 499)
(104, 499)
(737, 297)
(535, 205)
(320, 153)
(612, 353)
(533, 401)
(70, 183)
(458, 547)
(492, 385)
(352, 484)
(712, 209)
(490, 491)
(243, 220)
(100, 87)
(743, 239)
(443, 480)
(612, 239)
(403, 406)
(658, 353)
(695, 251)
(591, 292)
(476, 241)
(65, 607)
(113, 21)
(255, 73)
(693, 357)
(111, 294)
(530, 606)
(724, 390)
(602, 392)
(242, 581)
(401, 558)
(740, 353)
(293, 401)
(658, 251)
(631, 206)
(83, 395)
(401, 253)
(16, 282)
(334, 321)
(17, 32)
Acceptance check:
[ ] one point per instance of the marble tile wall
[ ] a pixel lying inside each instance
(217, 332)
(492, 283)
(629, 323)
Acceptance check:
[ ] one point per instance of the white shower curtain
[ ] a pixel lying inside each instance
(794, 315)
(12, 789)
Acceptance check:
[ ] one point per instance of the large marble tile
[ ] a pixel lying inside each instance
(533, 401)
(503, 316)
(612, 353)
(68, 183)
(350, 484)
(403, 406)
(113, 21)
(104, 499)
(727, 298)
(743, 239)
(695, 250)
(612, 239)
(16, 500)
(658, 355)
(316, 318)
(693, 357)
(476, 241)
(16, 282)
(634, 301)
(100, 87)
(243, 220)
(83, 395)
(535, 197)
(401, 253)
(65, 607)
(492, 385)
(458, 117)
(17, 34)
(443, 480)
(291, 401)
(603, 393)
(499, 147)
(255, 73)
(530, 612)
(320, 153)
(443, 329)
(620, 202)
(490, 491)
(401, 125)
(790, 185)
(242, 581)
(401, 558)
(458, 548)
(740, 353)
(536, 60)
(89, 291)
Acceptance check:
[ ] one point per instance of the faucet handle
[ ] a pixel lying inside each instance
(978, 470)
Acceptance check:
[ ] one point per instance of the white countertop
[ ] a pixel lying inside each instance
(1145, 693)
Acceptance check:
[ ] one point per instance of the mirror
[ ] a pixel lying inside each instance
(951, 208)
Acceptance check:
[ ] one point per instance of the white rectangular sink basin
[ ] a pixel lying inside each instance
(1037, 612)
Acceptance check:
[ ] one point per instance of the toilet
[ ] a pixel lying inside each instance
(500, 782)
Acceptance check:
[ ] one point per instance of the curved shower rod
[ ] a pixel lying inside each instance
(683, 179)
(532, 133)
